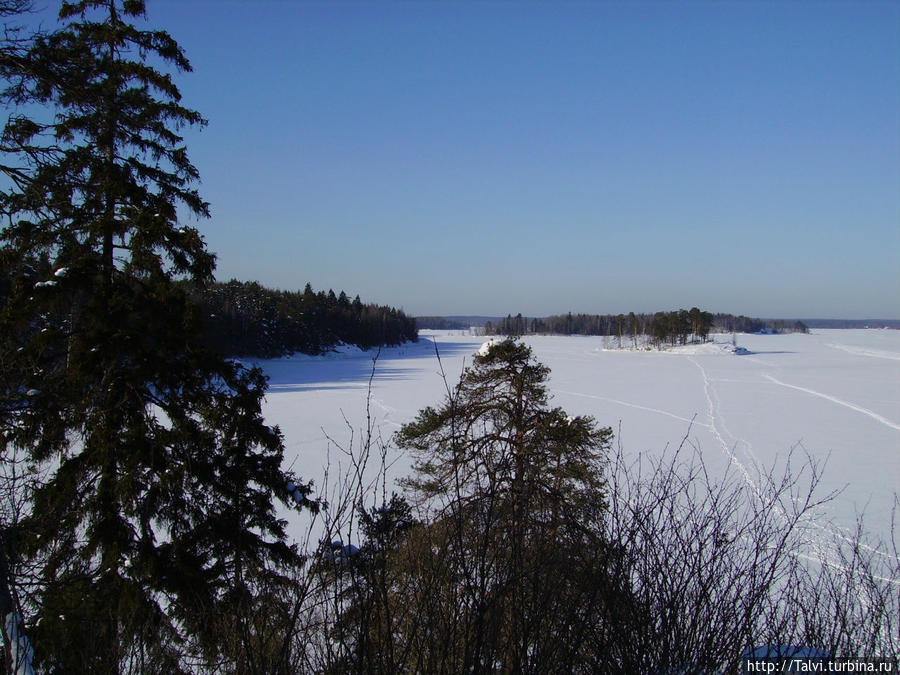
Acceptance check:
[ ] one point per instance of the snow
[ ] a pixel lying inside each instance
(834, 392)
(20, 652)
(486, 347)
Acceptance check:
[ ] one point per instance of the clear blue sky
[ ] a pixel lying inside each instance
(498, 157)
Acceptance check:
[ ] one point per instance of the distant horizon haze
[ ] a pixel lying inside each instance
(491, 317)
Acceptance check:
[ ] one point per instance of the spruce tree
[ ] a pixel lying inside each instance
(156, 516)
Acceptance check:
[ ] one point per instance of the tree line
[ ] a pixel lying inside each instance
(676, 327)
(854, 323)
(440, 323)
(248, 319)
(728, 323)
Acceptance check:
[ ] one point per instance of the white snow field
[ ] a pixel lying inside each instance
(834, 392)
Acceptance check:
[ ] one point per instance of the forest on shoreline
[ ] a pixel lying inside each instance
(245, 318)
(676, 327)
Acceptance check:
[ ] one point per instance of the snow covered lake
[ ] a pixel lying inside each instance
(836, 393)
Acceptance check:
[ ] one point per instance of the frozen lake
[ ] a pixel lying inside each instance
(834, 392)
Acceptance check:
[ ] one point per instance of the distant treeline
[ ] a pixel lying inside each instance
(677, 327)
(662, 327)
(244, 318)
(728, 323)
(440, 323)
(852, 323)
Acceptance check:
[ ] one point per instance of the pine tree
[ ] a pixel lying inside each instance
(517, 489)
(157, 512)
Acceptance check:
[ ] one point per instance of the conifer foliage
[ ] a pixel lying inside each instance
(248, 319)
(157, 507)
(497, 434)
(677, 327)
(523, 580)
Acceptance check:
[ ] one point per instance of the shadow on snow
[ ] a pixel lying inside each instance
(288, 375)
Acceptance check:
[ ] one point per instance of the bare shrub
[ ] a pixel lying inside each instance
(719, 565)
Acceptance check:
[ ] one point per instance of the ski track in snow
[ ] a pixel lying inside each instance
(714, 415)
(629, 405)
(739, 443)
(831, 529)
(387, 412)
(865, 411)
(859, 351)
(717, 421)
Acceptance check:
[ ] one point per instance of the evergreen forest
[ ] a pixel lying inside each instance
(248, 319)
(662, 328)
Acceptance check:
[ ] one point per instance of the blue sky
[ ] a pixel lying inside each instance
(499, 157)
